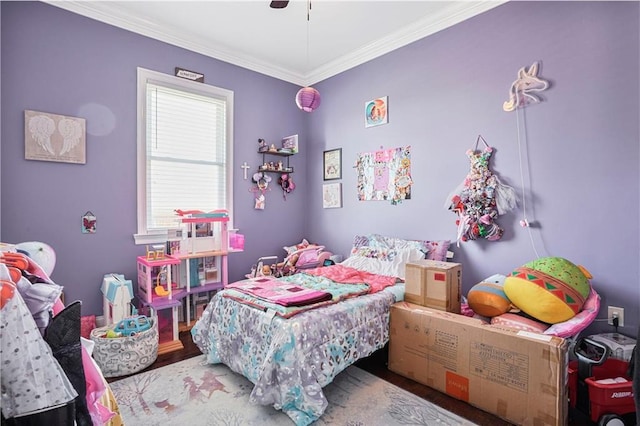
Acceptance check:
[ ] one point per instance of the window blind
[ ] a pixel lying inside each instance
(186, 154)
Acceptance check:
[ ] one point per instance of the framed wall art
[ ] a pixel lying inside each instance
(332, 164)
(332, 195)
(376, 112)
(53, 137)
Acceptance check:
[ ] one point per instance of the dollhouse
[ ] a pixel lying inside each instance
(177, 285)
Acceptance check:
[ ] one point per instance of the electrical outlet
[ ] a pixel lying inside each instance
(613, 312)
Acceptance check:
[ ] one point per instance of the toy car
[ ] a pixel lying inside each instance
(132, 325)
(605, 402)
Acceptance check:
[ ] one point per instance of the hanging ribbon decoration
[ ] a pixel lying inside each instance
(261, 180)
(286, 183)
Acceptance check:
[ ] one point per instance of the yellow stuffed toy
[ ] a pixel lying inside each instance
(550, 289)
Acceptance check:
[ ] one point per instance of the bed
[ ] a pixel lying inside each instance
(290, 353)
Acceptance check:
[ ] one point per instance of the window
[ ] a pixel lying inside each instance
(184, 151)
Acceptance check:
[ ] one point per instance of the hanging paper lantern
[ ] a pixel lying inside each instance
(308, 99)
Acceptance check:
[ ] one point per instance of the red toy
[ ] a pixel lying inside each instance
(606, 402)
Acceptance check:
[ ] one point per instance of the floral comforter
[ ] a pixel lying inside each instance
(291, 360)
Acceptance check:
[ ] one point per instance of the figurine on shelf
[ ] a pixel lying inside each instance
(262, 145)
(273, 148)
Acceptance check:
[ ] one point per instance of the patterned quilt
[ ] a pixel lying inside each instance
(291, 360)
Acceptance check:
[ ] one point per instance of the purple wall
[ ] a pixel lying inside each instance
(67, 64)
(580, 147)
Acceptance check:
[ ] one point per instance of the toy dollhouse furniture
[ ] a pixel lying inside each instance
(160, 293)
(117, 293)
(178, 284)
(203, 259)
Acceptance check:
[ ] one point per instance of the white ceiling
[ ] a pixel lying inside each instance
(281, 42)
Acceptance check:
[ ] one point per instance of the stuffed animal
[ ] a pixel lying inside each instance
(550, 289)
(487, 298)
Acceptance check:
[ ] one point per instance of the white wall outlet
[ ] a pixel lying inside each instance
(614, 311)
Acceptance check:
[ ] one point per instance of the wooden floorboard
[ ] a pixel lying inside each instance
(376, 364)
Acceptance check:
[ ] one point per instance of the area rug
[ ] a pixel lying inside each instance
(192, 393)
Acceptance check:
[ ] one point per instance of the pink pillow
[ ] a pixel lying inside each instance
(581, 321)
(518, 322)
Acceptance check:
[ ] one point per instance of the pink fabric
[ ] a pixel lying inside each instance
(347, 275)
(575, 325)
(279, 292)
(96, 387)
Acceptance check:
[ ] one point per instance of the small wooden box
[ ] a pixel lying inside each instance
(434, 284)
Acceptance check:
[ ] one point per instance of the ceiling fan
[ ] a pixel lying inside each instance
(278, 4)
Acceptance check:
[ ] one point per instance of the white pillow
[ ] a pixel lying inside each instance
(382, 261)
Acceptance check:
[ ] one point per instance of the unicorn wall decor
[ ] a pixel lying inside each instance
(520, 94)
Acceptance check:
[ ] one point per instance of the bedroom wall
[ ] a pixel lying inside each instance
(579, 148)
(59, 62)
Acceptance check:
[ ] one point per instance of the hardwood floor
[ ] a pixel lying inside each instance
(376, 364)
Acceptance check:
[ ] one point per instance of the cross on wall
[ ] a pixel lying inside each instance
(246, 167)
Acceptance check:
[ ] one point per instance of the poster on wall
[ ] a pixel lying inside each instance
(376, 112)
(53, 137)
(385, 175)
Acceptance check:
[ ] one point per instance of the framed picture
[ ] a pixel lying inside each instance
(376, 112)
(332, 195)
(290, 143)
(332, 164)
(53, 137)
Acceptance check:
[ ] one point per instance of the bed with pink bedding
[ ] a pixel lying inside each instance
(290, 351)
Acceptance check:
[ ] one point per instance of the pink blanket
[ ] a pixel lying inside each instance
(282, 293)
(348, 275)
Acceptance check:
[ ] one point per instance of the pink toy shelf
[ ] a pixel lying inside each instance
(149, 276)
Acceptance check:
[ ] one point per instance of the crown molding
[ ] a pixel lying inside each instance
(456, 13)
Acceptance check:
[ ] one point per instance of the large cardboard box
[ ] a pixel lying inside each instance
(434, 284)
(518, 376)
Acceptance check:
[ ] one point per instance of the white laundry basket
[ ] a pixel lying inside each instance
(121, 356)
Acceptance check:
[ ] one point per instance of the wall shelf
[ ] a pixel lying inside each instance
(275, 167)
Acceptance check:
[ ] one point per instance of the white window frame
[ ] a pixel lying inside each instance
(144, 235)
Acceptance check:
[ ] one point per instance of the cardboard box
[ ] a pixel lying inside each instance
(434, 284)
(518, 376)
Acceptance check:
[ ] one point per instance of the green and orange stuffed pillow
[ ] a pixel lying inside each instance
(550, 289)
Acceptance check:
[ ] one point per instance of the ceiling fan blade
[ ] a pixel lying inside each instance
(278, 4)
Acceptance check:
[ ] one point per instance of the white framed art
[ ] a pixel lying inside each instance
(332, 195)
(53, 137)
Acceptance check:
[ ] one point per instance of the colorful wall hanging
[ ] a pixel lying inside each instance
(261, 180)
(89, 221)
(480, 198)
(385, 175)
